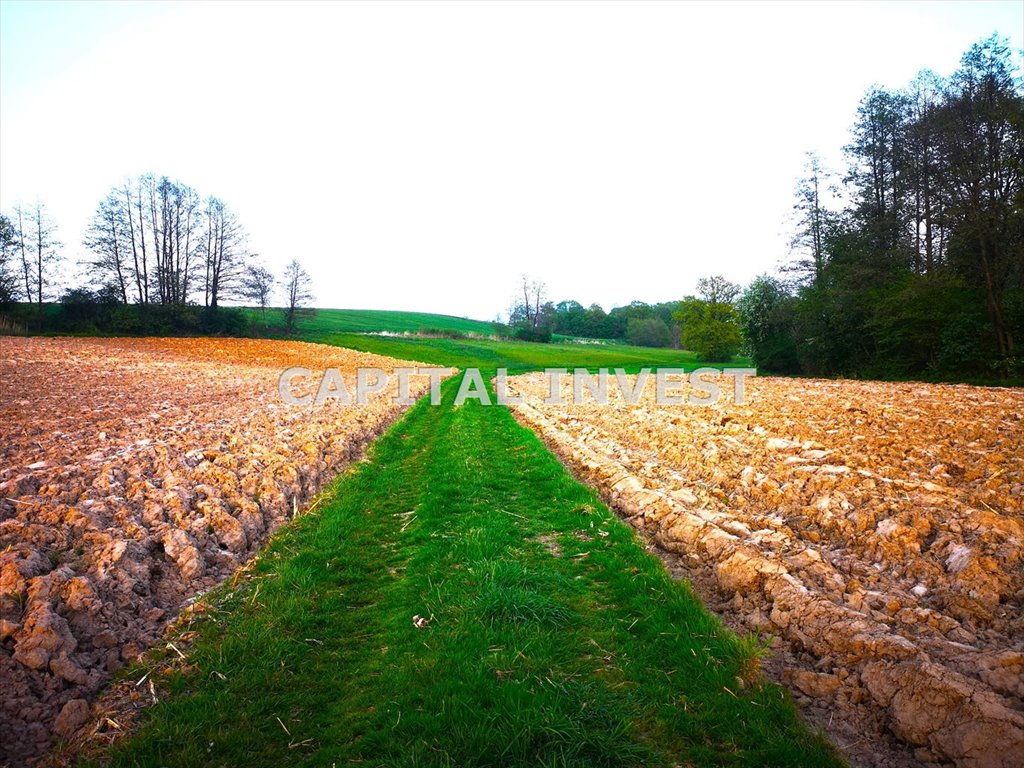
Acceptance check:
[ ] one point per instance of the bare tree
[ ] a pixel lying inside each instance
(925, 98)
(223, 252)
(257, 285)
(107, 239)
(8, 261)
(25, 277)
(298, 289)
(133, 207)
(39, 251)
(174, 219)
(168, 240)
(534, 296)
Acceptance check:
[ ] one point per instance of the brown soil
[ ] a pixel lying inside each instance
(876, 530)
(135, 475)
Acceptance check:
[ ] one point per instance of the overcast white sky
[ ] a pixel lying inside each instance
(423, 155)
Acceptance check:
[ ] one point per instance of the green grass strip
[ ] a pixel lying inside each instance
(553, 639)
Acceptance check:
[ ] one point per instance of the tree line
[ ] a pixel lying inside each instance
(157, 249)
(533, 317)
(908, 262)
(707, 323)
(155, 240)
(920, 268)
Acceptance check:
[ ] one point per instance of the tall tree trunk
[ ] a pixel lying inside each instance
(992, 299)
(26, 267)
(39, 260)
(135, 250)
(117, 258)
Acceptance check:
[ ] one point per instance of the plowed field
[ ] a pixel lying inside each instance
(876, 529)
(135, 474)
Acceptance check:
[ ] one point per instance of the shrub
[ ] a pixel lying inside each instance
(648, 332)
(539, 335)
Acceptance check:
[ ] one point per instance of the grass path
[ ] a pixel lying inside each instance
(552, 637)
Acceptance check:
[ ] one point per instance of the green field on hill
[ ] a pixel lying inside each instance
(324, 321)
(354, 329)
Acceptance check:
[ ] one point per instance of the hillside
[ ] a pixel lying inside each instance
(373, 320)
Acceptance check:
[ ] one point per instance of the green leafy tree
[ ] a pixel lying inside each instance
(913, 324)
(710, 323)
(982, 149)
(923, 271)
(569, 316)
(766, 316)
(648, 332)
(812, 221)
(595, 323)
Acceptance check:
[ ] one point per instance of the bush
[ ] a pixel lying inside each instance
(124, 319)
(648, 332)
(80, 311)
(441, 333)
(913, 319)
(960, 347)
(83, 311)
(221, 321)
(538, 335)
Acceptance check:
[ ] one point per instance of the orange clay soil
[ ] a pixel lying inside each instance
(134, 475)
(875, 529)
